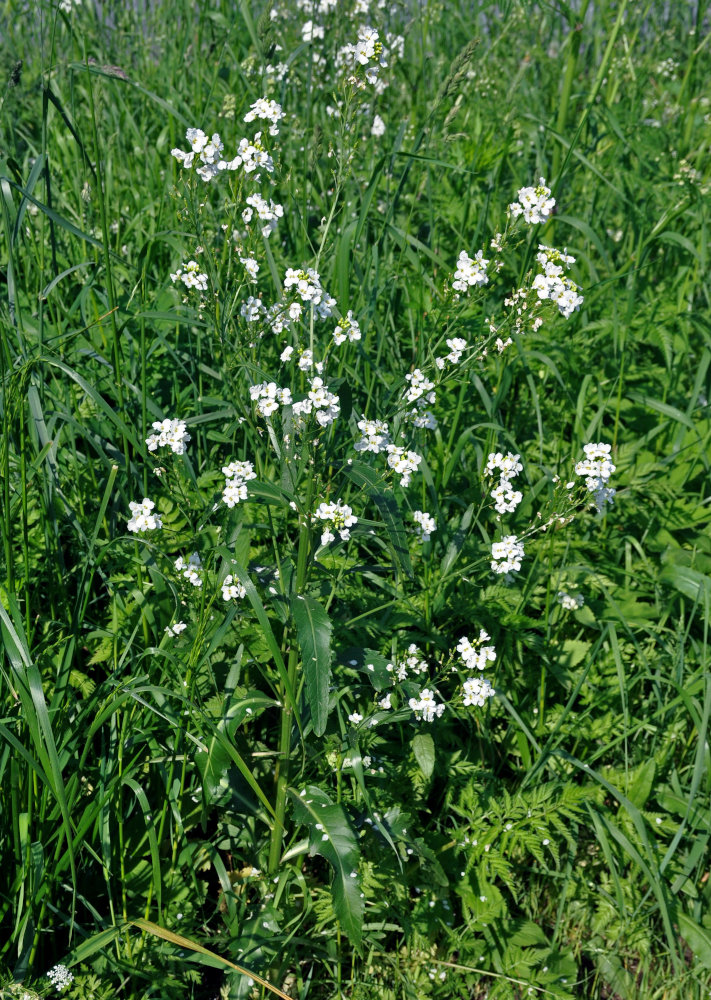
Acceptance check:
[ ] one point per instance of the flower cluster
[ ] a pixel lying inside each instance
(425, 525)
(347, 329)
(251, 154)
(266, 211)
(411, 664)
(476, 691)
(506, 555)
(142, 518)
(597, 468)
(237, 475)
(420, 392)
(266, 111)
(324, 404)
(191, 276)
(268, 397)
(505, 498)
(553, 284)
(570, 602)
(307, 284)
(368, 51)
(376, 437)
(338, 517)
(456, 346)
(476, 655)
(171, 433)
(403, 462)
(425, 707)
(534, 203)
(470, 273)
(190, 568)
(60, 977)
(232, 590)
(208, 152)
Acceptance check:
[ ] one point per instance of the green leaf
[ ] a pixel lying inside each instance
(331, 836)
(424, 750)
(313, 631)
(698, 938)
(385, 501)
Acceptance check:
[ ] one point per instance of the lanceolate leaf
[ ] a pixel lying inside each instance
(389, 509)
(313, 631)
(331, 836)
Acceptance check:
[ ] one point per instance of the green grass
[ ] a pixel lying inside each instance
(153, 831)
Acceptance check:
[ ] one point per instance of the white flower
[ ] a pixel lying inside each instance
(470, 272)
(232, 591)
(476, 690)
(597, 468)
(375, 436)
(191, 276)
(338, 517)
(168, 432)
(507, 555)
(534, 203)
(191, 569)
(267, 212)
(268, 111)
(355, 718)
(141, 517)
(347, 329)
(208, 152)
(424, 525)
(176, 629)
(505, 498)
(403, 462)
(571, 602)
(475, 655)
(420, 386)
(252, 309)
(425, 707)
(237, 475)
(384, 703)
(250, 266)
(509, 464)
(60, 977)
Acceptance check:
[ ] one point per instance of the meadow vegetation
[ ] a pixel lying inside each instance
(356, 536)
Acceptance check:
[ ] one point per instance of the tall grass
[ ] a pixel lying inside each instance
(165, 798)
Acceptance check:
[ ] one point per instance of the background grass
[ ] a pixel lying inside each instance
(561, 837)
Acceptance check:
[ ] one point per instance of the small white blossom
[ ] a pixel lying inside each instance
(191, 569)
(232, 590)
(425, 707)
(597, 469)
(191, 276)
(424, 525)
(60, 977)
(534, 203)
(470, 273)
(403, 462)
(267, 111)
(142, 518)
(507, 555)
(338, 517)
(476, 690)
(174, 630)
(168, 432)
(571, 602)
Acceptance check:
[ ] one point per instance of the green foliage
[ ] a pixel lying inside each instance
(210, 778)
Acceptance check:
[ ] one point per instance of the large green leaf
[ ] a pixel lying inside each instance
(313, 631)
(331, 836)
